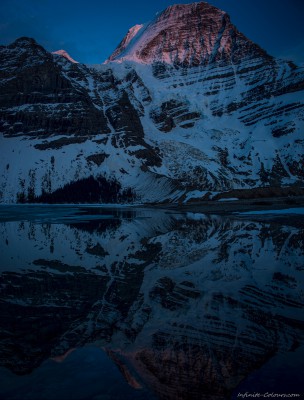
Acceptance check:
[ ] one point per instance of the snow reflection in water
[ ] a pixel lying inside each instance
(185, 306)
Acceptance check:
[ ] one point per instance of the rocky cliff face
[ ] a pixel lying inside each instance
(189, 35)
(185, 106)
(39, 99)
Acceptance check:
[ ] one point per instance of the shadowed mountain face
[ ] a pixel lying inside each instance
(186, 304)
(184, 107)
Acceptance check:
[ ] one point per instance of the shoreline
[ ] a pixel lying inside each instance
(221, 206)
(235, 206)
(280, 211)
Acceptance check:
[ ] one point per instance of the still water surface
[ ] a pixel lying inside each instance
(120, 303)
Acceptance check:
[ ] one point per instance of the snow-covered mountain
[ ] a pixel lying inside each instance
(186, 105)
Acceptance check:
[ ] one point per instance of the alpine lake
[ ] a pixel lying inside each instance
(123, 303)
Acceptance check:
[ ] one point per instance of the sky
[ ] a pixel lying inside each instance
(90, 30)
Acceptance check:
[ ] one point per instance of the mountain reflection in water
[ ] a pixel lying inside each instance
(184, 305)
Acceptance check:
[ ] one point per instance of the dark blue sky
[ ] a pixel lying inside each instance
(91, 29)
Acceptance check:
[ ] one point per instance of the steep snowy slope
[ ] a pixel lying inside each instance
(168, 117)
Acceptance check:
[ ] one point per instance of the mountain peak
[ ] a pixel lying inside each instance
(24, 41)
(201, 6)
(186, 34)
(66, 55)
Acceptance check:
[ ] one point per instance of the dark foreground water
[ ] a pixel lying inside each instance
(118, 303)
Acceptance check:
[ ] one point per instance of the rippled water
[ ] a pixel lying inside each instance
(126, 303)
